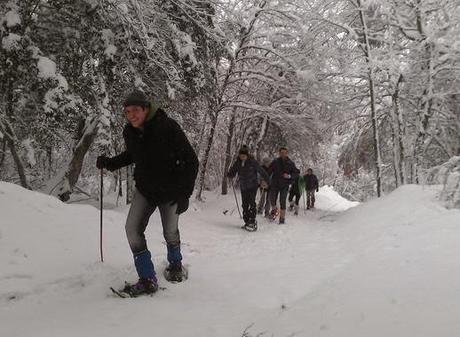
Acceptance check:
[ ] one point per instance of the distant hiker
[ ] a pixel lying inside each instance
(284, 172)
(296, 190)
(264, 201)
(311, 185)
(247, 169)
(165, 170)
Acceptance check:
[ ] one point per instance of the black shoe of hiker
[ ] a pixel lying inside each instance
(175, 272)
(251, 227)
(281, 222)
(145, 286)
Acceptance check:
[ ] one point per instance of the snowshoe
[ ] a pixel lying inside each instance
(175, 273)
(142, 287)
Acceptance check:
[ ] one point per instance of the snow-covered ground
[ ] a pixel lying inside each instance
(389, 267)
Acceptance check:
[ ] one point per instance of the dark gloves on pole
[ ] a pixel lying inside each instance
(102, 162)
(182, 204)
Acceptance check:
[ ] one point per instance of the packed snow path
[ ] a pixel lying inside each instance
(389, 267)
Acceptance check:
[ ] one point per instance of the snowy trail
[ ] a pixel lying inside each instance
(383, 268)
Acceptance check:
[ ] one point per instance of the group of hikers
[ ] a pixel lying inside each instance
(165, 171)
(275, 179)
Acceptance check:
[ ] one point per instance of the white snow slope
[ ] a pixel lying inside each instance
(389, 267)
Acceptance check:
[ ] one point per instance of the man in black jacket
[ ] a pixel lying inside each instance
(165, 171)
(247, 169)
(311, 185)
(284, 172)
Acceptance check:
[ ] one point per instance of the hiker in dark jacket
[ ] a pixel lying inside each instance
(264, 201)
(311, 185)
(247, 169)
(284, 172)
(165, 170)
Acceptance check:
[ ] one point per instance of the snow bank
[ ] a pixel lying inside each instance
(329, 200)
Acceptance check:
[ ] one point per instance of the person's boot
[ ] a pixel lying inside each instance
(296, 210)
(174, 272)
(282, 217)
(252, 226)
(145, 286)
(291, 206)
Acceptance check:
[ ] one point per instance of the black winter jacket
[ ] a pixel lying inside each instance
(247, 173)
(166, 164)
(279, 167)
(311, 182)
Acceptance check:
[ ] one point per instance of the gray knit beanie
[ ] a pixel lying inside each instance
(136, 97)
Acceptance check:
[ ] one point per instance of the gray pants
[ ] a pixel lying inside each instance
(138, 219)
(282, 191)
(264, 201)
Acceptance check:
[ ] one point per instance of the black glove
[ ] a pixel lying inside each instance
(182, 205)
(102, 162)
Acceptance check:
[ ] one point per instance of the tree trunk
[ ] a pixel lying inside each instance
(425, 111)
(9, 137)
(228, 151)
(49, 155)
(199, 140)
(424, 116)
(74, 168)
(204, 162)
(3, 154)
(375, 130)
(398, 137)
(262, 134)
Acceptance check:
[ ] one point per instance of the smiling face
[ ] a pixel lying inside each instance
(136, 115)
